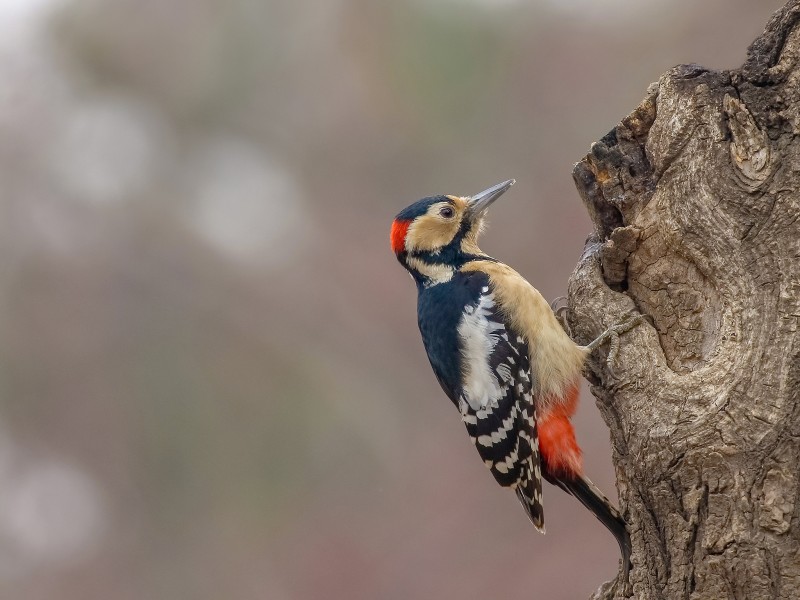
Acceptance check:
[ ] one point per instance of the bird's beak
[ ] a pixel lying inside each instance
(480, 202)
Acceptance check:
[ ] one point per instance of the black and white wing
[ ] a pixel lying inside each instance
(496, 401)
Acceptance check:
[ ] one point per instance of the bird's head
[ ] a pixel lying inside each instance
(434, 236)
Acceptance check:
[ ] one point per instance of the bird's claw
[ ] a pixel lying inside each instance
(560, 311)
(612, 336)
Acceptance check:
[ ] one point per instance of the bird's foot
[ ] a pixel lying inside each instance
(611, 335)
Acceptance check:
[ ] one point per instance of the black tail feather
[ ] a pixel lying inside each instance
(593, 499)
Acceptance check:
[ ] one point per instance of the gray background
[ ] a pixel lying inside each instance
(212, 384)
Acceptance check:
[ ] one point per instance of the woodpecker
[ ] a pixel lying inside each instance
(500, 354)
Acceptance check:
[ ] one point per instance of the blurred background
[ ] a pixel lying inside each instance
(212, 383)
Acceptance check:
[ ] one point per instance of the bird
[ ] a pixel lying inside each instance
(501, 355)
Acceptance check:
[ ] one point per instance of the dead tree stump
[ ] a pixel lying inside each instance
(695, 199)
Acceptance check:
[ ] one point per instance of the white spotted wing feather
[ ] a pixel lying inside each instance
(496, 401)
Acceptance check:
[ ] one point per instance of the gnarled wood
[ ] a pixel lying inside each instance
(695, 198)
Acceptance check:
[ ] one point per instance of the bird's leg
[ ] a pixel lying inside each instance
(612, 334)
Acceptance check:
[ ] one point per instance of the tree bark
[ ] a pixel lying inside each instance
(695, 198)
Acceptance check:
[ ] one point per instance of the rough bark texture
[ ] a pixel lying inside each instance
(695, 199)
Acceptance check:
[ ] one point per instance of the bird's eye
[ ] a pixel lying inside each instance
(447, 212)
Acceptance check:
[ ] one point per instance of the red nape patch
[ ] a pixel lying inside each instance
(399, 231)
(560, 452)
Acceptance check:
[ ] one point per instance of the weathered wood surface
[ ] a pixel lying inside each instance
(695, 199)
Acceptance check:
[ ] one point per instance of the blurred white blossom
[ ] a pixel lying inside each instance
(245, 202)
(20, 18)
(51, 512)
(108, 149)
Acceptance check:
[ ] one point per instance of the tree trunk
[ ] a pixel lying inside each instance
(695, 199)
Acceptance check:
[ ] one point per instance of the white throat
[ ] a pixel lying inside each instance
(434, 273)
